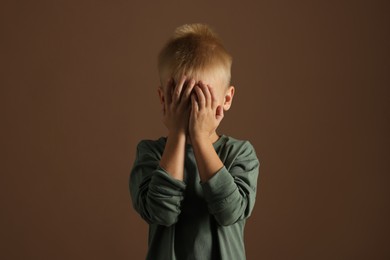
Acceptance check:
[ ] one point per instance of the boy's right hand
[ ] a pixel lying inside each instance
(177, 105)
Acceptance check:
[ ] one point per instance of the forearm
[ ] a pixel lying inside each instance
(172, 159)
(207, 159)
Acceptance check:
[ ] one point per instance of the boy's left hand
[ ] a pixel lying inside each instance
(205, 114)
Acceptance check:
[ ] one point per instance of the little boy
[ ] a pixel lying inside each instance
(195, 188)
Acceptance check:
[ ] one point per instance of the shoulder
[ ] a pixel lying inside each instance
(151, 146)
(239, 155)
(240, 146)
(235, 150)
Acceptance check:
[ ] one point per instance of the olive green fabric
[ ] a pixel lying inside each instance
(189, 219)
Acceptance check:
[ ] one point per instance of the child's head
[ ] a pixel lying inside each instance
(196, 51)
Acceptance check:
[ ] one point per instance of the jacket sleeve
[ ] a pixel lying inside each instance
(155, 195)
(231, 194)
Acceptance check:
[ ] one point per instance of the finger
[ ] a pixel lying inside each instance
(167, 91)
(178, 88)
(189, 89)
(214, 99)
(201, 97)
(194, 103)
(167, 95)
(207, 94)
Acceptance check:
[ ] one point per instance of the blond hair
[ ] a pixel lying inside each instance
(195, 50)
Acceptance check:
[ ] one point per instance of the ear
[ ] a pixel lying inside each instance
(228, 99)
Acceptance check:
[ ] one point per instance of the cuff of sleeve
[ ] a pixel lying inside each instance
(218, 187)
(164, 181)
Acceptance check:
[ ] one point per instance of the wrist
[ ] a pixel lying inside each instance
(200, 138)
(177, 135)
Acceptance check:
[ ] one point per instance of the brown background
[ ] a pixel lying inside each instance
(78, 91)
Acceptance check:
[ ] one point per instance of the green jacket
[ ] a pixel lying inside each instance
(189, 219)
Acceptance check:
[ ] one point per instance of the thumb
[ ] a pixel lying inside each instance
(219, 114)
